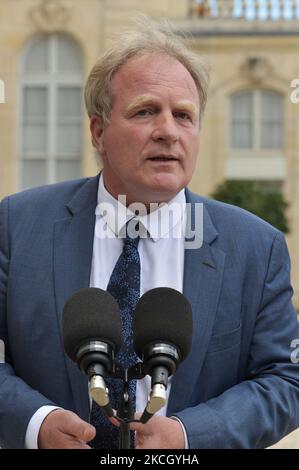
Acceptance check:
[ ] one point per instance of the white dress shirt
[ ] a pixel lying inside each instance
(161, 251)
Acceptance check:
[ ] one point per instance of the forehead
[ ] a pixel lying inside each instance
(156, 74)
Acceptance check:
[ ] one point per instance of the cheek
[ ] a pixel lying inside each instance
(127, 140)
(193, 146)
(137, 137)
(114, 147)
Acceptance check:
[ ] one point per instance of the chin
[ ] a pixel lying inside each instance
(169, 184)
(163, 193)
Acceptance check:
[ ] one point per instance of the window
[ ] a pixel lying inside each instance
(51, 111)
(256, 120)
(271, 120)
(241, 113)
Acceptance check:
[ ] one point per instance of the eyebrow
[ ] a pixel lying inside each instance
(146, 100)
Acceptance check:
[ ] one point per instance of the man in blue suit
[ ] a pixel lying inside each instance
(238, 388)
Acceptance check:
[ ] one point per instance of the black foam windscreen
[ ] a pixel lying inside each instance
(90, 314)
(163, 314)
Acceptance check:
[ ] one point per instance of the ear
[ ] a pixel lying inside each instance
(97, 130)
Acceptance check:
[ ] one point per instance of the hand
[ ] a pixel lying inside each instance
(63, 429)
(159, 433)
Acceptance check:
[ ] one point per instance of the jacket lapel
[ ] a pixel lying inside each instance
(203, 272)
(73, 247)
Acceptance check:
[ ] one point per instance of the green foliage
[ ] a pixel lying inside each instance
(269, 204)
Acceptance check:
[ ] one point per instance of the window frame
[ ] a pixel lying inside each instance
(256, 150)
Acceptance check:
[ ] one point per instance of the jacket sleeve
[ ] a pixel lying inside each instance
(18, 401)
(261, 409)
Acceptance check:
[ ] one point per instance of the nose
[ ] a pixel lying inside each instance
(165, 129)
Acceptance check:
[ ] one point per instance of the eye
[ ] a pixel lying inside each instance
(183, 116)
(144, 112)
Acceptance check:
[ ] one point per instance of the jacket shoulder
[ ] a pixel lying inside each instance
(234, 223)
(53, 191)
(43, 203)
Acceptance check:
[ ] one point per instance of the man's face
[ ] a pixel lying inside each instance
(150, 146)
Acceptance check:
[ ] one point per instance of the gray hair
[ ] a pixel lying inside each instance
(148, 38)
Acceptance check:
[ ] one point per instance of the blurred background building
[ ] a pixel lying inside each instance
(251, 126)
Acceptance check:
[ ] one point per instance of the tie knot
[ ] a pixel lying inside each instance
(131, 242)
(132, 238)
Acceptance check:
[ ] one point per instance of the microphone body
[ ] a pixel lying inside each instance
(162, 339)
(95, 359)
(92, 337)
(160, 362)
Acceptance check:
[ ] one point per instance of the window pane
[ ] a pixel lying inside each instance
(271, 135)
(34, 173)
(35, 102)
(272, 120)
(69, 55)
(271, 106)
(241, 120)
(37, 57)
(35, 138)
(242, 135)
(241, 106)
(68, 169)
(69, 139)
(69, 102)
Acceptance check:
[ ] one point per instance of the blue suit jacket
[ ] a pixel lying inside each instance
(238, 387)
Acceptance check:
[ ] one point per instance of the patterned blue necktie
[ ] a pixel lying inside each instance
(124, 285)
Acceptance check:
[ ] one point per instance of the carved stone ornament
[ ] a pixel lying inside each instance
(257, 69)
(51, 15)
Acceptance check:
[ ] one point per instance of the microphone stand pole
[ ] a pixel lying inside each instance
(126, 415)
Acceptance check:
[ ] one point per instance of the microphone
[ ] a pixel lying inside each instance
(92, 337)
(162, 339)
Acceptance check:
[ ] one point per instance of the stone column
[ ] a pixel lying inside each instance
(244, 8)
(256, 6)
(225, 8)
(281, 4)
(268, 8)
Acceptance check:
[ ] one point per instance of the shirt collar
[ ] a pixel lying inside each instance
(159, 223)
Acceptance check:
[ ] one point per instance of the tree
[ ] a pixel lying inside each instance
(267, 203)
